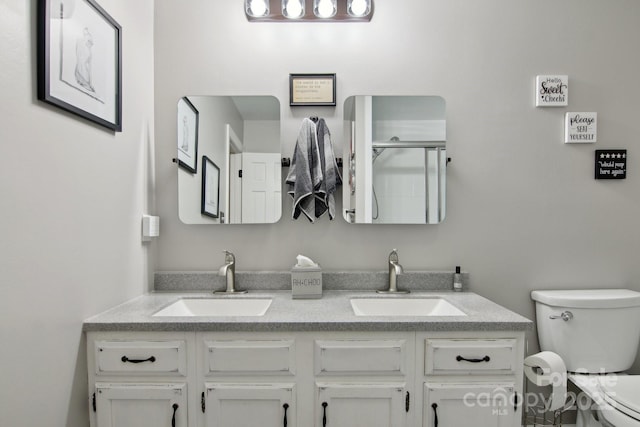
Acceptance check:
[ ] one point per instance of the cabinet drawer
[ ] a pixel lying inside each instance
(360, 357)
(141, 357)
(250, 357)
(470, 356)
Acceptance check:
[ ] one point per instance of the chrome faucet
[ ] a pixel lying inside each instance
(229, 271)
(395, 269)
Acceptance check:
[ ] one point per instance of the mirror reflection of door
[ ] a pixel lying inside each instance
(254, 184)
(261, 188)
(234, 190)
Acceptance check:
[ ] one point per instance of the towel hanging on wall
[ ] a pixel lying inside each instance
(325, 197)
(305, 173)
(313, 175)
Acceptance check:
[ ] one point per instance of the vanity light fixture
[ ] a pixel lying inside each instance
(293, 9)
(256, 8)
(359, 8)
(308, 10)
(325, 9)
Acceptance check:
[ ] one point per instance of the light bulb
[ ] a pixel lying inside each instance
(292, 8)
(325, 8)
(358, 8)
(257, 8)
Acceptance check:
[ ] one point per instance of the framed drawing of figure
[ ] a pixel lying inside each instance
(210, 188)
(187, 135)
(80, 60)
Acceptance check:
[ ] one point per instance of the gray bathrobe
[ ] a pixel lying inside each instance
(305, 173)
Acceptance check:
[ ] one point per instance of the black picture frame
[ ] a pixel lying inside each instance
(210, 203)
(80, 60)
(187, 139)
(312, 90)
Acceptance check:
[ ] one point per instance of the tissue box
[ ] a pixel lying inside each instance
(306, 282)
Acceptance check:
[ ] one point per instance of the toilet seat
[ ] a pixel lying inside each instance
(602, 390)
(622, 394)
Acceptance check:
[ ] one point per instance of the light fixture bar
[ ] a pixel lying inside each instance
(310, 10)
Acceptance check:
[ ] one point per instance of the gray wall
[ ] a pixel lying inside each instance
(71, 201)
(524, 211)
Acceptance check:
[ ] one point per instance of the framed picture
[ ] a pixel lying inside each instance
(80, 60)
(210, 188)
(312, 89)
(187, 135)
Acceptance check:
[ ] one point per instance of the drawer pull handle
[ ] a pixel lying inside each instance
(324, 414)
(125, 359)
(285, 406)
(173, 419)
(484, 359)
(435, 414)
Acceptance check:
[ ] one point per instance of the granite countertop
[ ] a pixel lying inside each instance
(332, 312)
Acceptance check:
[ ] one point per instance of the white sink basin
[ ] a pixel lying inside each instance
(404, 307)
(216, 307)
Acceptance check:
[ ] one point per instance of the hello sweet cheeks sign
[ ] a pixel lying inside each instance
(552, 91)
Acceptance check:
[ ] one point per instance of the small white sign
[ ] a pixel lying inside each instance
(580, 128)
(552, 91)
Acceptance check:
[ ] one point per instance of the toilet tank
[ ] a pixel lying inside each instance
(602, 333)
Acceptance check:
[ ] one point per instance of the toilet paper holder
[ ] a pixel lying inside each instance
(545, 369)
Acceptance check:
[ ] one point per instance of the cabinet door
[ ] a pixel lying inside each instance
(141, 405)
(249, 405)
(361, 405)
(452, 405)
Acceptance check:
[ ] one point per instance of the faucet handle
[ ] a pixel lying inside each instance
(229, 256)
(393, 256)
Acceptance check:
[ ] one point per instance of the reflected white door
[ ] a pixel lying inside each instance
(235, 189)
(261, 188)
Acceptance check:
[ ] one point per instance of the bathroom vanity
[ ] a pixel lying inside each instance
(306, 363)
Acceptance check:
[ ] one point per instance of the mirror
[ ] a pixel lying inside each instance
(396, 172)
(229, 160)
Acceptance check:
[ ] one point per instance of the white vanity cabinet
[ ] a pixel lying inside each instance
(363, 380)
(361, 404)
(306, 379)
(249, 404)
(139, 379)
(140, 405)
(455, 404)
(469, 377)
(247, 379)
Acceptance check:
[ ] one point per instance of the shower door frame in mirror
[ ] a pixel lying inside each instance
(241, 135)
(396, 146)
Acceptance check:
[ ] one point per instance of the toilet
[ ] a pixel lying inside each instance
(596, 332)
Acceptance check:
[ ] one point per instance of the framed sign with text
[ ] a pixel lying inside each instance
(580, 128)
(611, 164)
(312, 89)
(552, 91)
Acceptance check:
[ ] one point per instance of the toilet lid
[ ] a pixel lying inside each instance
(623, 392)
